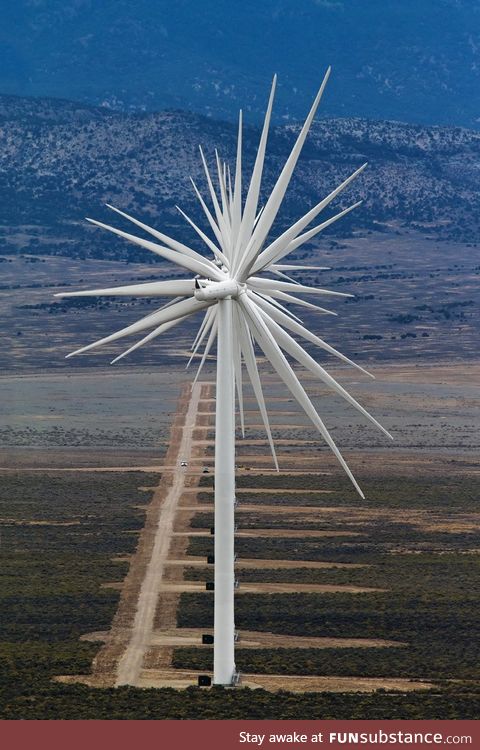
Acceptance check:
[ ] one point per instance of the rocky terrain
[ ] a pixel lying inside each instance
(61, 161)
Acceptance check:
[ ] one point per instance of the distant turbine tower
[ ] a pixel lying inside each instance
(241, 309)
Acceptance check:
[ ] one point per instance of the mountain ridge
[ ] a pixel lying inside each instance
(61, 160)
(404, 61)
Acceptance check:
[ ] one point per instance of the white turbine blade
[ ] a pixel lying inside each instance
(209, 320)
(237, 365)
(275, 303)
(173, 244)
(251, 201)
(286, 342)
(165, 315)
(289, 267)
(215, 250)
(211, 339)
(275, 355)
(263, 261)
(258, 216)
(225, 178)
(283, 319)
(205, 331)
(230, 190)
(218, 211)
(201, 327)
(213, 224)
(223, 189)
(282, 275)
(157, 332)
(237, 190)
(252, 370)
(201, 265)
(172, 302)
(284, 286)
(276, 196)
(183, 287)
(289, 235)
(301, 239)
(221, 172)
(295, 301)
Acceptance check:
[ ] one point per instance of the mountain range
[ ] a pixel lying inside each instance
(409, 61)
(61, 161)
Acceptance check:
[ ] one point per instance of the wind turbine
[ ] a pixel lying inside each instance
(242, 309)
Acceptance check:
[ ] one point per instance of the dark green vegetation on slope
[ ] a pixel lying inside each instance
(59, 163)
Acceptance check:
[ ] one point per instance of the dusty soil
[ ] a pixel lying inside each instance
(298, 533)
(154, 668)
(139, 647)
(332, 684)
(170, 488)
(272, 588)
(270, 491)
(262, 563)
(257, 639)
(111, 664)
(181, 679)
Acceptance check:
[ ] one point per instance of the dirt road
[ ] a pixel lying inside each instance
(130, 664)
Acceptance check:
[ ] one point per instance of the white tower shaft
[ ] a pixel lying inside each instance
(244, 310)
(224, 624)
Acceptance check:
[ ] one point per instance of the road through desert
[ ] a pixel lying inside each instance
(130, 663)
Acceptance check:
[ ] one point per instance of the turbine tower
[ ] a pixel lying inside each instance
(242, 308)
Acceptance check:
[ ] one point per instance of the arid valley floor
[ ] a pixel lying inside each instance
(344, 608)
(347, 607)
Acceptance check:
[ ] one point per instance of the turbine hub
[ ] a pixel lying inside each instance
(207, 290)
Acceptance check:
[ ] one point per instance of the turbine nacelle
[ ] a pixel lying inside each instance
(211, 290)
